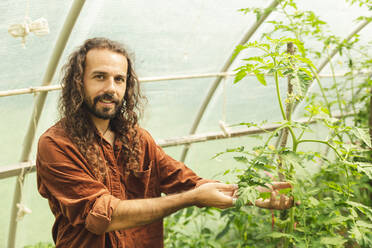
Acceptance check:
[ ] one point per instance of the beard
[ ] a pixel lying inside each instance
(104, 113)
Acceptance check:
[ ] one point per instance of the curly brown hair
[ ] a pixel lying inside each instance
(74, 114)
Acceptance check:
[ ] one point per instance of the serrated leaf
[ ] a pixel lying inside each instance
(313, 201)
(239, 76)
(189, 212)
(297, 89)
(306, 71)
(255, 58)
(306, 61)
(224, 230)
(277, 235)
(237, 149)
(355, 233)
(359, 205)
(241, 159)
(238, 49)
(363, 224)
(338, 240)
(285, 191)
(247, 195)
(265, 195)
(365, 168)
(261, 78)
(363, 135)
(336, 220)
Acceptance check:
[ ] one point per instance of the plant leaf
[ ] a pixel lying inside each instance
(285, 191)
(247, 195)
(261, 78)
(239, 76)
(313, 201)
(277, 235)
(338, 240)
(265, 195)
(363, 135)
(365, 168)
(225, 229)
(241, 159)
(363, 224)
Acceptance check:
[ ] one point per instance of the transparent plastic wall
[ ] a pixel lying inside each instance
(166, 38)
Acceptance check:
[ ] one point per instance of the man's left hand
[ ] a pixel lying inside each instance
(276, 201)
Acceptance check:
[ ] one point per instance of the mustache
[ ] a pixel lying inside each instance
(106, 96)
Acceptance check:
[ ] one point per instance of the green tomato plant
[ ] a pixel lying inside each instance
(331, 176)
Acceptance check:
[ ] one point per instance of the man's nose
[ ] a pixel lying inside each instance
(110, 85)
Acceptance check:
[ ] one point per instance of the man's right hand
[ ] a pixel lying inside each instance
(217, 195)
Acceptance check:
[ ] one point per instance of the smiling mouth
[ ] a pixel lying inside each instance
(106, 101)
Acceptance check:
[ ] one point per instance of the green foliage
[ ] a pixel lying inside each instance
(367, 3)
(333, 186)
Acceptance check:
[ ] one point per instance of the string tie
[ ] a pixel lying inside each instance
(38, 27)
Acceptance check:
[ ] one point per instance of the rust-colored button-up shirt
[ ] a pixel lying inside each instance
(83, 206)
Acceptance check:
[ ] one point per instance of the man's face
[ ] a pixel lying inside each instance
(105, 83)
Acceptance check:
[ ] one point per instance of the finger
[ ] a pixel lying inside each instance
(231, 190)
(228, 192)
(262, 203)
(273, 200)
(225, 198)
(281, 185)
(283, 202)
(235, 194)
(286, 202)
(223, 186)
(227, 202)
(268, 188)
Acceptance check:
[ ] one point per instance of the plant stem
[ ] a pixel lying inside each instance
(335, 83)
(298, 30)
(353, 96)
(288, 111)
(323, 142)
(348, 181)
(352, 103)
(274, 132)
(294, 139)
(307, 123)
(322, 91)
(278, 93)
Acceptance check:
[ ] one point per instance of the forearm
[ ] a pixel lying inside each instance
(132, 213)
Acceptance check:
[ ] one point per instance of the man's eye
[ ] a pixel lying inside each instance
(100, 77)
(120, 79)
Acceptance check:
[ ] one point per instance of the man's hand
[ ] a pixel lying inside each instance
(276, 201)
(218, 195)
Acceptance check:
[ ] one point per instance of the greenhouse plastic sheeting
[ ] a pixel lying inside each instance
(166, 38)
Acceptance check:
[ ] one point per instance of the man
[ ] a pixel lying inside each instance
(102, 174)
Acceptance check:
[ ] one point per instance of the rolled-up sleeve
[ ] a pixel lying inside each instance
(99, 218)
(65, 179)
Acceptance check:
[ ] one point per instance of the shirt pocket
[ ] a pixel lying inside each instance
(141, 184)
